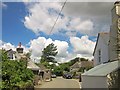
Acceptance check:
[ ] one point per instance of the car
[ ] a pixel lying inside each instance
(53, 76)
(68, 76)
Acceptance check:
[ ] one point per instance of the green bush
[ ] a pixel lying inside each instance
(15, 74)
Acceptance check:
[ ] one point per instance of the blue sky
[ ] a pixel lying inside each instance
(13, 29)
(75, 32)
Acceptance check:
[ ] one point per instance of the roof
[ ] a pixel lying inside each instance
(102, 69)
(11, 51)
(42, 67)
(87, 64)
(76, 65)
(82, 64)
(102, 34)
(32, 65)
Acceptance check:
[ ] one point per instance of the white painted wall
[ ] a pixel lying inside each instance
(94, 82)
(103, 46)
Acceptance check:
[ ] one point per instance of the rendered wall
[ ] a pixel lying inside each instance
(94, 82)
(103, 46)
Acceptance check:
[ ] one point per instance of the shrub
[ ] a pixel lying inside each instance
(15, 74)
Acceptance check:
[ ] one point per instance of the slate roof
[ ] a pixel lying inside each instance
(103, 69)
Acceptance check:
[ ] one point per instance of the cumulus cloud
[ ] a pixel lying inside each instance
(62, 47)
(41, 16)
(82, 26)
(87, 18)
(94, 10)
(8, 46)
(37, 46)
(82, 46)
(98, 12)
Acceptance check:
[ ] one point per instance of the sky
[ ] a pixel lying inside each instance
(74, 34)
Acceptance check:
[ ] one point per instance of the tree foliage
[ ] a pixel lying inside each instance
(58, 71)
(65, 67)
(49, 53)
(15, 73)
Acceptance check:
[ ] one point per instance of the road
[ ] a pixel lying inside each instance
(60, 82)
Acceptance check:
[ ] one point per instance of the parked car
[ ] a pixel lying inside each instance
(68, 76)
(53, 76)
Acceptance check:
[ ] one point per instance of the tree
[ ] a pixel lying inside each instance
(15, 74)
(58, 71)
(49, 53)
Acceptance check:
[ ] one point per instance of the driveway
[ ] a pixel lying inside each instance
(60, 82)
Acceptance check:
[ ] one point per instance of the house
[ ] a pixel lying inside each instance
(31, 65)
(20, 55)
(101, 49)
(106, 72)
(16, 55)
(44, 73)
(11, 54)
(101, 76)
(80, 64)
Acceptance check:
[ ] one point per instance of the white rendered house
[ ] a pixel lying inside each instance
(101, 49)
(106, 72)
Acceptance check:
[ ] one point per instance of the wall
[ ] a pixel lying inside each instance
(103, 46)
(94, 82)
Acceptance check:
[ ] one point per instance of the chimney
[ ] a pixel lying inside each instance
(19, 44)
(19, 48)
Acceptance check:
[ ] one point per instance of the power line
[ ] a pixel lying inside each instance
(57, 17)
(56, 20)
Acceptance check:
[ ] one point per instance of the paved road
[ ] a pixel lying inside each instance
(60, 82)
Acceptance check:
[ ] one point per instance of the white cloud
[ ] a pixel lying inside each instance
(37, 46)
(40, 18)
(98, 12)
(88, 18)
(8, 46)
(84, 27)
(1, 43)
(62, 47)
(45, 19)
(82, 46)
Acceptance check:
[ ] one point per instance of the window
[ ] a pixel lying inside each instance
(99, 55)
(10, 55)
